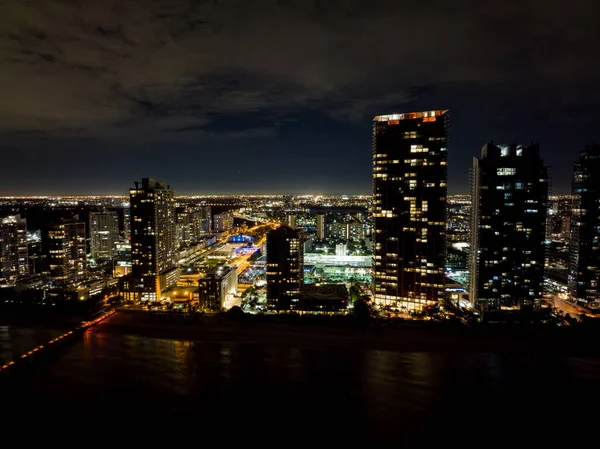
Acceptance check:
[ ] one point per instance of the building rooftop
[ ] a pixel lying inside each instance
(410, 115)
(13, 219)
(218, 272)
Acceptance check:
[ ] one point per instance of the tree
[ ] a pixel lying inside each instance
(362, 310)
(249, 291)
(354, 293)
(235, 314)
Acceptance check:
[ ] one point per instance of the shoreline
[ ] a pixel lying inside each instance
(402, 339)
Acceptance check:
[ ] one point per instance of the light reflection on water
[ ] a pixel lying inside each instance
(392, 395)
(15, 340)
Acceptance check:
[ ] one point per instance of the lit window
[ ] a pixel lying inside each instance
(506, 171)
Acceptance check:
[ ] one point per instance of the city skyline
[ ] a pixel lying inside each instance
(345, 220)
(278, 97)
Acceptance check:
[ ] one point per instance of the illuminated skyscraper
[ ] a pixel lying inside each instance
(191, 224)
(205, 220)
(66, 250)
(321, 231)
(127, 222)
(104, 234)
(584, 265)
(409, 208)
(509, 200)
(153, 245)
(14, 257)
(223, 222)
(285, 268)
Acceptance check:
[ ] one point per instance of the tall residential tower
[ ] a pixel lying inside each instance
(507, 254)
(104, 234)
(285, 268)
(65, 244)
(14, 257)
(409, 208)
(584, 265)
(153, 245)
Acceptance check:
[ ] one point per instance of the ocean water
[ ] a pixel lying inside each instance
(285, 394)
(16, 340)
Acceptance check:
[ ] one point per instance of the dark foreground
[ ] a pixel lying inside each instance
(133, 378)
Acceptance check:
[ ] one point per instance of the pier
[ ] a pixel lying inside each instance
(43, 353)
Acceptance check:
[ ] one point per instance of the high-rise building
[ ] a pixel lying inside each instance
(205, 220)
(190, 226)
(285, 268)
(355, 230)
(337, 229)
(409, 209)
(35, 252)
(127, 222)
(321, 232)
(14, 256)
(584, 263)
(223, 222)
(122, 265)
(66, 250)
(104, 234)
(153, 245)
(217, 287)
(560, 210)
(346, 228)
(507, 253)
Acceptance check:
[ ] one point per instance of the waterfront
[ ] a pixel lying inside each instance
(259, 389)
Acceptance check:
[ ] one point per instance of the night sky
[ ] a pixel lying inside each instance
(268, 96)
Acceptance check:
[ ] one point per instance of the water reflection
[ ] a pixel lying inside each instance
(15, 341)
(417, 398)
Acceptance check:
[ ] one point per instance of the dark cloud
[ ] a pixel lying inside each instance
(265, 76)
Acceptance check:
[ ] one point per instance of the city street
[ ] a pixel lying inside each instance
(561, 304)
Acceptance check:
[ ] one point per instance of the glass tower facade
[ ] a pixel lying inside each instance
(509, 197)
(409, 209)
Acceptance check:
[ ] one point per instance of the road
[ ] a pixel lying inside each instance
(242, 262)
(561, 304)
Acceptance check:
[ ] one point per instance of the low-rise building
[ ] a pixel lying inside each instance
(217, 287)
(329, 298)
